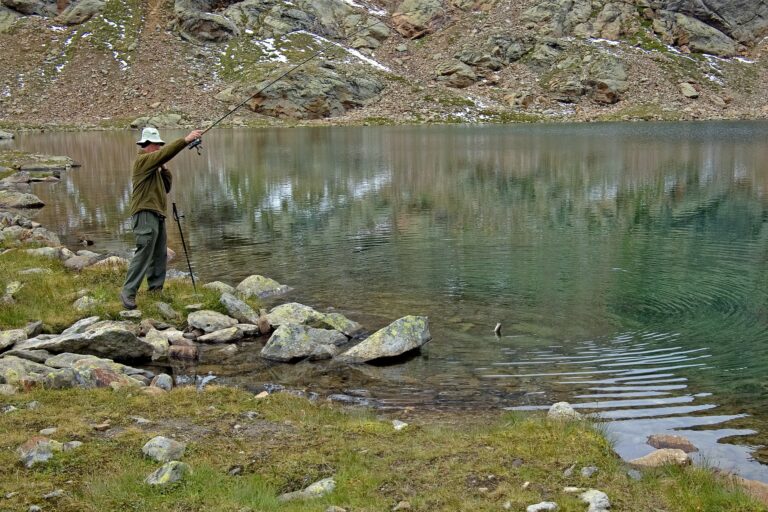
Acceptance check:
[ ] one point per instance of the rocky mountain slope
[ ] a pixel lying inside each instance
(169, 62)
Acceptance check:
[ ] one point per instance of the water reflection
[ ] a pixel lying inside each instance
(566, 234)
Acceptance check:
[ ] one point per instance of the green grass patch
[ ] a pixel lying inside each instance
(283, 443)
(49, 296)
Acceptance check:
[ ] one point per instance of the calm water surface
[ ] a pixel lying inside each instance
(627, 263)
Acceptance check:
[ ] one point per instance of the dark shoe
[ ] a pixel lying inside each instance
(128, 302)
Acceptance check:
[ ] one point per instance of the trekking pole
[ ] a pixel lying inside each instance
(184, 245)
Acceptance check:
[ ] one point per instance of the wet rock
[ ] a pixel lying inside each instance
(249, 330)
(81, 11)
(114, 340)
(163, 381)
(14, 199)
(163, 449)
(171, 472)
(661, 441)
(210, 321)
(542, 507)
(349, 400)
(37, 450)
(227, 335)
(10, 338)
(160, 343)
(238, 309)
(316, 490)
(290, 342)
(401, 336)
(339, 323)
(562, 411)
(182, 353)
(597, 500)
(663, 457)
(6, 135)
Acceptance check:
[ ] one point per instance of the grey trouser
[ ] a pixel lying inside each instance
(150, 257)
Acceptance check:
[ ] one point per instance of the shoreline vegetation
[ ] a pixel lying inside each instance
(86, 449)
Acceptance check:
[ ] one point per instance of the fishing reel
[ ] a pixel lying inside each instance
(196, 144)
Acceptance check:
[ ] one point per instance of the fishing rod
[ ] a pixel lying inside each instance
(197, 143)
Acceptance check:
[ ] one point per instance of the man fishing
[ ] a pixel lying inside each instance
(151, 183)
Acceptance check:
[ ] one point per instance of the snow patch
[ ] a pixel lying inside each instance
(373, 10)
(57, 28)
(609, 42)
(268, 47)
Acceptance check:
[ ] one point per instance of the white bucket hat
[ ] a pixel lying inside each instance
(150, 134)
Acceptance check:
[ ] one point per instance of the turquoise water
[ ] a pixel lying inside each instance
(625, 262)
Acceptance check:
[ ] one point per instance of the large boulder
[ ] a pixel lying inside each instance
(456, 74)
(238, 309)
(314, 92)
(114, 340)
(197, 25)
(81, 11)
(7, 18)
(13, 199)
(32, 7)
(294, 313)
(558, 18)
(744, 20)
(401, 336)
(291, 342)
(260, 287)
(682, 30)
(662, 457)
(271, 19)
(417, 18)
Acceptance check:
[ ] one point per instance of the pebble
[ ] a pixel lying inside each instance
(140, 421)
(403, 505)
(101, 427)
(334, 508)
(71, 445)
(34, 508)
(8, 408)
(194, 307)
(48, 431)
(263, 394)
(526, 485)
(562, 411)
(568, 472)
(33, 405)
(634, 474)
(588, 471)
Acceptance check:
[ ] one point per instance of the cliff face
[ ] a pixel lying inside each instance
(188, 61)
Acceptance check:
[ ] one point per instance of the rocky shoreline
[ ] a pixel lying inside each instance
(95, 353)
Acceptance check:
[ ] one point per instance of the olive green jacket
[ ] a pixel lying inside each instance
(151, 180)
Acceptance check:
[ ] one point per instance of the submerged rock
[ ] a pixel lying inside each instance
(399, 337)
(661, 441)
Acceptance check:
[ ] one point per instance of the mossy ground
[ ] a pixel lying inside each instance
(283, 443)
(49, 297)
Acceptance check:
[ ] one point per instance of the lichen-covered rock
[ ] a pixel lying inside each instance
(163, 449)
(339, 322)
(260, 286)
(316, 490)
(160, 344)
(13, 199)
(81, 11)
(401, 336)
(417, 18)
(169, 473)
(114, 340)
(37, 450)
(292, 313)
(10, 338)
(86, 303)
(227, 335)
(290, 342)
(219, 287)
(18, 372)
(314, 92)
(562, 411)
(210, 321)
(80, 325)
(238, 309)
(663, 457)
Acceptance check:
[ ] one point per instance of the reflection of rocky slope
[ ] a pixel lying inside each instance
(412, 60)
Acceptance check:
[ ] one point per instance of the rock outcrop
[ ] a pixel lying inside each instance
(401, 336)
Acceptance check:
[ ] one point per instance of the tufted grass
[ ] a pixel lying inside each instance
(461, 461)
(49, 297)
